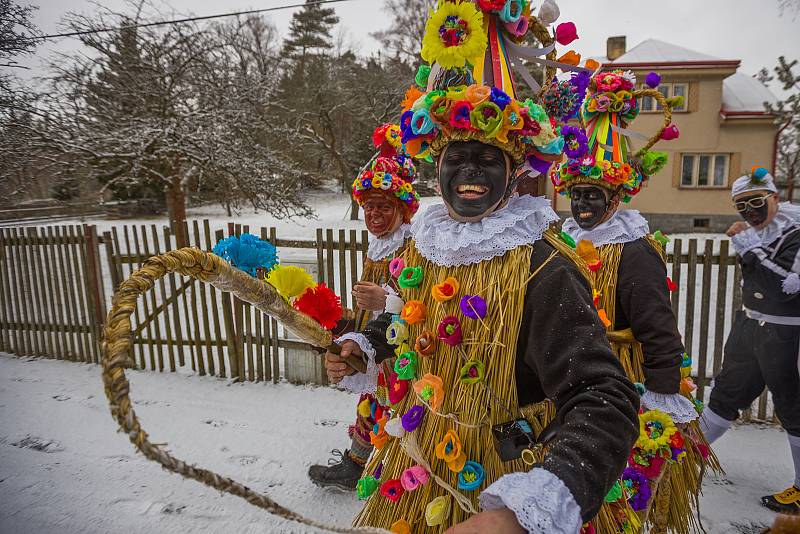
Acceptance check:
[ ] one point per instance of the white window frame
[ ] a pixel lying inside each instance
(711, 170)
(668, 88)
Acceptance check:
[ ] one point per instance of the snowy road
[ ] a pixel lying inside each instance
(64, 469)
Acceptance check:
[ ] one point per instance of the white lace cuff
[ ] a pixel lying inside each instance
(746, 241)
(539, 499)
(361, 382)
(678, 407)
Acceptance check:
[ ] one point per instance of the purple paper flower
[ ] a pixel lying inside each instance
(412, 418)
(653, 80)
(638, 488)
(378, 471)
(576, 145)
(500, 98)
(473, 306)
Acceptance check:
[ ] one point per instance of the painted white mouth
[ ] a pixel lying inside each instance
(585, 215)
(466, 188)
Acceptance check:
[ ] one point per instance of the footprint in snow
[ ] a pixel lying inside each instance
(215, 423)
(38, 444)
(327, 422)
(61, 398)
(244, 459)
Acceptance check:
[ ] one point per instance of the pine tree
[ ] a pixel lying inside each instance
(310, 32)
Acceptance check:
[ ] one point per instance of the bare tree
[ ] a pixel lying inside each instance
(404, 36)
(17, 38)
(787, 117)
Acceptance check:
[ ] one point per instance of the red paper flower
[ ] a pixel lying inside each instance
(670, 133)
(392, 489)
(672, 286)
(321, 304)
(566, 32)
(397, 388)
(491, 5)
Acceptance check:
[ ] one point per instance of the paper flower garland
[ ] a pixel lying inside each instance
(247, 252)
(446, 290)
(406, 365)
(322, 304)
(400, 526)
(392, 489)
(655, 431)
(397, 332)
(454, 35)
(397, 389)
(449, 450)
(366, 487)
(472, 372)
(450, 331)
(437, 511)
(395, 428)
(414, 477)
(425, 344)
(410, 277)
(430, 389)
(396, 267)
(473, 306)
(289, 280)
(414, 312)
(471, 476)
(412, 418)
(638, 488)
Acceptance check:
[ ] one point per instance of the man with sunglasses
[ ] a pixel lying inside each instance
(762, 348)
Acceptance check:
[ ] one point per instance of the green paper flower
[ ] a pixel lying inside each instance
(410, 277)
(472, 372)
(406, 365)
(566, 238)
(423, 73)
(615, 494)
(366, 487)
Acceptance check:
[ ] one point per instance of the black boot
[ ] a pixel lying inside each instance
(785, 502)
(341, 472)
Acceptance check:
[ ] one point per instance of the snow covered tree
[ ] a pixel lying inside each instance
(787, 117)
(310, 33)
(404, 35)
(17, 37)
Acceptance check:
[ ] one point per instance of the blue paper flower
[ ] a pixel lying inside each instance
(471, 477)
(247, 252)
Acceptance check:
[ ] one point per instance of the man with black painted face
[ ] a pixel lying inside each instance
(762, 348)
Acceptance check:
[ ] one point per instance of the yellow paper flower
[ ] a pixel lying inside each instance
(437, 511)
(454, 34)
(512, 120)
(655, 431)
(290, 281)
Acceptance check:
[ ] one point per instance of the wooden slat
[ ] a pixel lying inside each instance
(5, 341)
(320, 257)
(201, 366)
(78, 293)
(28, 306)
(258, 320)
(676, 277)
(37, 301)
(215, 312)
(230, 329)
(95, 296)
(691, 280)
(47, 312)
(273, 331)
(330, 279)
(152, 294)
(364, 246)
(705, 309)
(56, 292)
(70, 306)
(722, 297)
(204, 303)
(342, 270)
(162, 285)
(737, 287)
(176, 233)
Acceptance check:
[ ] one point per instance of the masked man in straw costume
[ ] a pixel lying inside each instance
(762, 348)
(385, 191)
(498, 316)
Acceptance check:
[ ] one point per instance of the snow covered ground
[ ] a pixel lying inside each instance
(64, 469)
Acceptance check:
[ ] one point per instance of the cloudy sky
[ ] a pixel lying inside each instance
(754, 31)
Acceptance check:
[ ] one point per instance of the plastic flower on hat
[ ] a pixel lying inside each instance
(449, 450)
(247, 252)
(430, 389)
(410, 277)
(655, 431)
(365, 487)
(446, 290)
(450, 331)
(437, 511)
(406, 365)
(412, 418)
(454, 34)
(471, 476)
(414, 312)
(425, 344)
(637, 487)
(473, 306)
(414, 477)
(392, 489)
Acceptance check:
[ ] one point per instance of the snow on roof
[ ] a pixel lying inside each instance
(655, 51)
(743, 93)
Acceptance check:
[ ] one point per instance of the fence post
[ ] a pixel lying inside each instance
(96, 293)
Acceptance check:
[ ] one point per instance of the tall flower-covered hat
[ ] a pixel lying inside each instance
(391, 172)
(467, 88)
(602, 153)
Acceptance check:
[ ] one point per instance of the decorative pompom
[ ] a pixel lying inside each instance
(653, 80)
(671, 286)
(759, 173)
(423, 73)
(670, 132)
(549, 12)
(322, 304)
(791, 284)
(289, 280)
(566, 32)
(247, 252)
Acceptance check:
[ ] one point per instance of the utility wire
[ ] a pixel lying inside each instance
(188, 19)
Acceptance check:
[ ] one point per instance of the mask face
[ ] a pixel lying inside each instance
(754, 216)
(589, 204)
(381, 215)
(472, 178)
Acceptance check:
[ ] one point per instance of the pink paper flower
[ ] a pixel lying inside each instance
(566, 32)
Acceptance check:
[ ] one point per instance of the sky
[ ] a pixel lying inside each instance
(753, 31)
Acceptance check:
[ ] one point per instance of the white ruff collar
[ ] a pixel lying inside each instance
(623, 227)
(383, 247)
(447, 242)
(788, 215)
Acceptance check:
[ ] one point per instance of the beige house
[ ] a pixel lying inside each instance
(724, 132)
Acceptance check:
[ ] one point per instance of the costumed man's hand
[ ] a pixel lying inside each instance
(500, 521)
(736, 228)
(369, 296)
(334, 363)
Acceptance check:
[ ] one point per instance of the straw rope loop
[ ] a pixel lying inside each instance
(666, 110)
(117, 339)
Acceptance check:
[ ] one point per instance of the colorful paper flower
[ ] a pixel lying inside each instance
(471, 476)
(406, 365)
(414, 312)
(454, 35)
(365, 487)
(290, 280)
(431, 390)
(615, 493)
(655, 431)
(637, 488)
(450, 331)
(653, 80)
(650, 465)
(449, 450)
(566, 32)
(395, 428)
(414, 477)
(437, 511)
(576, 145)
(410, 277)
(570, 58)
(425, 344)
(396, 267)
(397, 332)
(392, 489)
(400, 526)
(247, 252)
(473, 306)
(412, 418)
(472, 372)
(321, 304)
(670, 132)
(446, 290)
(397, 388)
(491, 5)
(378, 440)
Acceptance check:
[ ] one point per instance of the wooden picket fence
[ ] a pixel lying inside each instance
(56, 280)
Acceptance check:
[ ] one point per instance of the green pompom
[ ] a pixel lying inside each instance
(366, 487)
(653, 161)
(423, 73)
(661, 238)
(675, 102)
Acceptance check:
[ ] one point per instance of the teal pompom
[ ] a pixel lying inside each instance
(247, 252)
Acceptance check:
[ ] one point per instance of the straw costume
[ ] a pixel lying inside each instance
(498, 313)
(632, 296)
(390, 175)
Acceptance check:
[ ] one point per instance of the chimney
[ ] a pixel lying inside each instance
(615, 47)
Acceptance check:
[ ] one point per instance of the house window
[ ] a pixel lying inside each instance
(649, 105)
(704, 170)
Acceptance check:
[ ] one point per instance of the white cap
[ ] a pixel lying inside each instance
(759, 180)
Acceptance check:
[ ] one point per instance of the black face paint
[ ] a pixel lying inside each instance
(754, 216)
(472, 177)
(589, 204)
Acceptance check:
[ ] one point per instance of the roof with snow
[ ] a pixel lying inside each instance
(744, 94)
(655, 51)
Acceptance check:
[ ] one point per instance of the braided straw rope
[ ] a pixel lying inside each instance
(667, 112)
(205, 267)
(542, 34)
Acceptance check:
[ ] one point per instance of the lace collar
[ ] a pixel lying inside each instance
(383, 247)
(447, 242)
(623, 227)
(788, 215)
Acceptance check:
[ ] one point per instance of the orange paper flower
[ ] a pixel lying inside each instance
(446, 290)
(400, 526)
(591, 64)
(411, 96)
(570, 58)
(478, 93)
(449, 450)
(426, 343)
(414, 312)
(604, 318)
(431, 390)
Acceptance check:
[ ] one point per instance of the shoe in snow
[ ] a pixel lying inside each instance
(785, 502)
(341, 472)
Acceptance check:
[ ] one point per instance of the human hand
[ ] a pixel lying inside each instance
(500, 521)
(736, 228)
(369, 296)
(335, 365)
